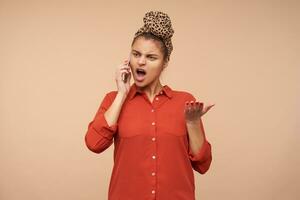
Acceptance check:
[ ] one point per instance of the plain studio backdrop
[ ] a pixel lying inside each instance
(58, 60)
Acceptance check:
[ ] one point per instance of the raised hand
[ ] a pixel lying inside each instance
(195, 110)
(123, 68)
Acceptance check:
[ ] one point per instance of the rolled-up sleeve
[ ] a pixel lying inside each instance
(202, 160)
(99, 135)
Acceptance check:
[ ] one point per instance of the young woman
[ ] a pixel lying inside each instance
(157, 132)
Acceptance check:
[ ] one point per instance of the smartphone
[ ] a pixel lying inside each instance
(126, 75)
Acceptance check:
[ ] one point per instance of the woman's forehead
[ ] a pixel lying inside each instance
(146, 46)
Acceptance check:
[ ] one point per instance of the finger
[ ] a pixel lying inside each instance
(207, 108)
(211, 105)
(192, 105)
(187, 104)
(123, 65)
(201, 106)
(126, 62)
(127, 68)
(124, 71)
(196, 109)
(187, 107)
(197, 105)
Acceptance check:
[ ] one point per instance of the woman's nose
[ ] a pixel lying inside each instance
(141, 60)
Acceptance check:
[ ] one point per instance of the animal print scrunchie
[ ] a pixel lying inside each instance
(159, 24)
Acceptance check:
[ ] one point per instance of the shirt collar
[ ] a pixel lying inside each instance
(134, 90)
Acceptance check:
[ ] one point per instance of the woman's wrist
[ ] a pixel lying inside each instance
(121, 96)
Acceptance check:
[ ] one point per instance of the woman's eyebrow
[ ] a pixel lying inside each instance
(150, 54)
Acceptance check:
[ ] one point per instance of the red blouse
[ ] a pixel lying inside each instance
(152, 157)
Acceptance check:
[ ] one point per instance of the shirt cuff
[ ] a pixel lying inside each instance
(200, 156)
(101, 126)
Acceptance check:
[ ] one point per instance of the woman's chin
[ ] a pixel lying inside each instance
(139, 83)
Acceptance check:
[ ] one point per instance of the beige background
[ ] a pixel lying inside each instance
(57, 61)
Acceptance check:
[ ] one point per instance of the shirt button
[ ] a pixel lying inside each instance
(153, 173)
(152, 110)
(153, 123)
(153, 157)
(153, 139)
(161, 92)
(153, 191)
(156, 98)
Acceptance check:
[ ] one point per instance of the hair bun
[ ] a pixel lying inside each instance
(159, 24)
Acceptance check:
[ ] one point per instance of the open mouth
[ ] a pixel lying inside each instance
(140, 72)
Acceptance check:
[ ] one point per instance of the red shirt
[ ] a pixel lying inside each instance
(152, 157)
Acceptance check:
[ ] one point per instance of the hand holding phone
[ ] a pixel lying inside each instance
(126, 75)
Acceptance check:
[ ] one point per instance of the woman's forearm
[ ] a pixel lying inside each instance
(112, 114)
(196, 135)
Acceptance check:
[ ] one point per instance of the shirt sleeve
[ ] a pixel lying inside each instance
(99, 135)
(201, 161)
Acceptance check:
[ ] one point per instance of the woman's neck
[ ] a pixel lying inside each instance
(152, 89)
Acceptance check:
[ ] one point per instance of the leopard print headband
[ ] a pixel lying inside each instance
(159, 24)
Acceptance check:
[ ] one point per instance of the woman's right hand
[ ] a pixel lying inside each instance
(123, 88)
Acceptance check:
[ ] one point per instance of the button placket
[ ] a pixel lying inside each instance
(152, 139)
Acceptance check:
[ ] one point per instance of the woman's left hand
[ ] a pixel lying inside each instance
(195, 110)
